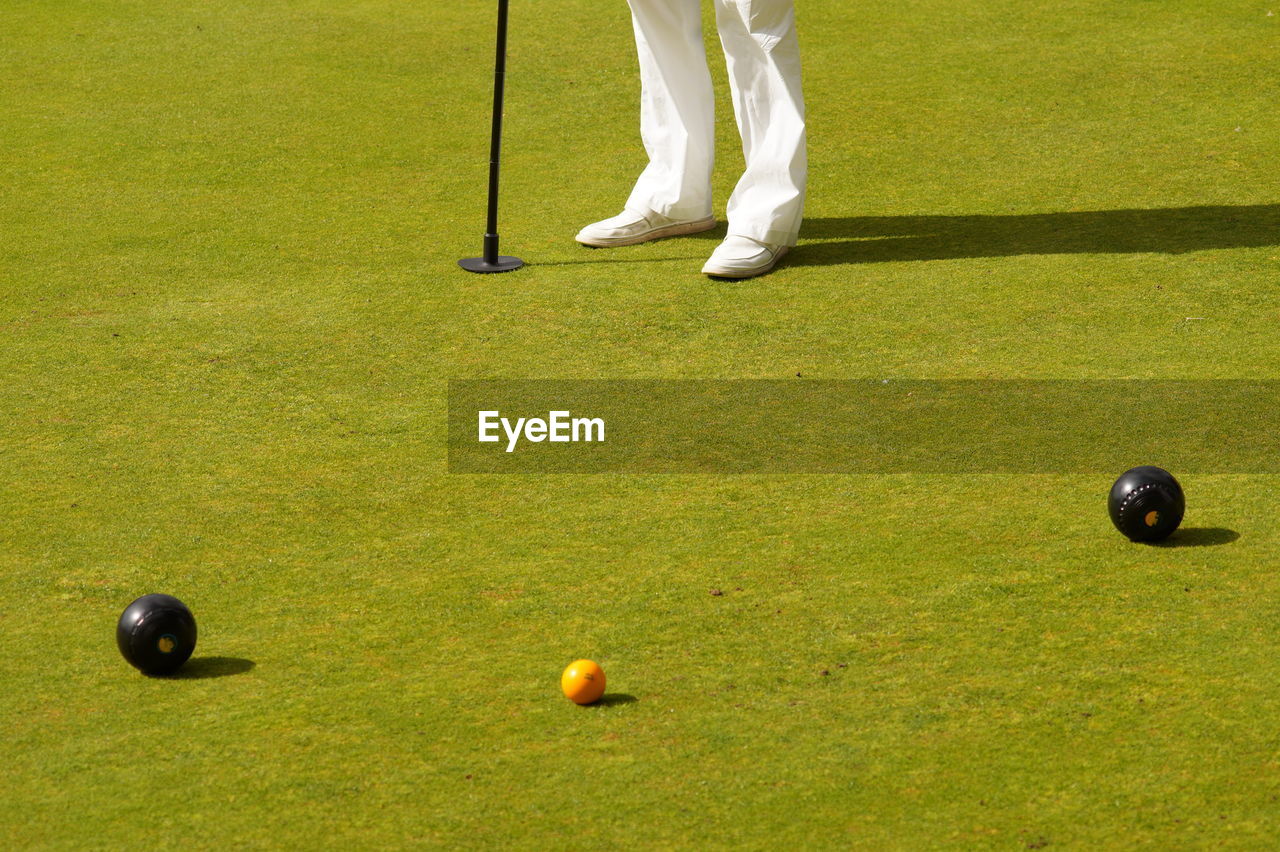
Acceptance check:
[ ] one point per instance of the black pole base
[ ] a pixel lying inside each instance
(479, 264)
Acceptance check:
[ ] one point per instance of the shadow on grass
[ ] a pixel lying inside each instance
(1173, 230)
(1199, 537)
(614, 699)
(205, 667)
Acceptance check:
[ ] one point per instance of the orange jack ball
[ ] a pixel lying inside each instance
(583, 682)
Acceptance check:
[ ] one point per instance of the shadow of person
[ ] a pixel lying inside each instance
(1199, 537)
(205, 667)
(1173, 230)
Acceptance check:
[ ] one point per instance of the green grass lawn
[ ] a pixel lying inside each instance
(230, 311)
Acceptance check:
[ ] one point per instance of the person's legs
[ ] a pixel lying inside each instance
(677, 118)
(762, 53)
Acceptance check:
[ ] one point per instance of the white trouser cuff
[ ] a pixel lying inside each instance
(764, 232)
(680, 212)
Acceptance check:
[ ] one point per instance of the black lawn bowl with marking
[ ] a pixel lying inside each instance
(1146, 503)
(156, 634)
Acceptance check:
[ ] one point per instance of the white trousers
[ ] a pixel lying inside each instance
(677, 120)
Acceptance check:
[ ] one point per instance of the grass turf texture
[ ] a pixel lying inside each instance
(230, 309)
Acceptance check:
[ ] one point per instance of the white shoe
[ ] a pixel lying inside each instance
(743, 257)
(630, 227)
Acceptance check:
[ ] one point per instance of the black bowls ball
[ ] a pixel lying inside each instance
(156, 634)
(1146, 503)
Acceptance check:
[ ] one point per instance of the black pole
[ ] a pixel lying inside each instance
(495, 142)
(492, 261)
